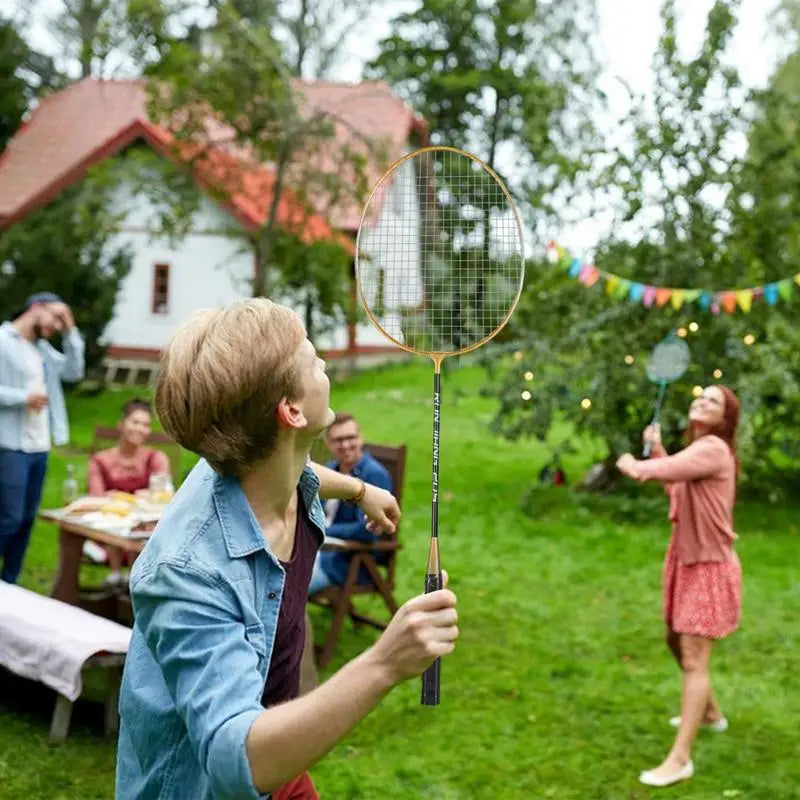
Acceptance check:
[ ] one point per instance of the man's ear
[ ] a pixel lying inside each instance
(290, 415)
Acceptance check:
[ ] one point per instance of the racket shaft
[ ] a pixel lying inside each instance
(656, 413)
(433, 573)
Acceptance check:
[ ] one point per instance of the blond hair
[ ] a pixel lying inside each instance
(222, 377)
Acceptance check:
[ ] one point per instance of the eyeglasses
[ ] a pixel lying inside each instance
(343, 439)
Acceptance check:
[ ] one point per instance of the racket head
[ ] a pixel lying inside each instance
(668, 360)
(439, 253)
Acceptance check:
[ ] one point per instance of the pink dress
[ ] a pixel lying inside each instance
(702, 599)
(702, 573)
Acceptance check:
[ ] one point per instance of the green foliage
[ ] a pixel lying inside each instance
(240, 77)
(684, 220)
(503, 79)
(14, 91)
(65, 248)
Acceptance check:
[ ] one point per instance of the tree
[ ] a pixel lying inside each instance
(311, 33)
(239, 78)
(509, 81)
(680, 223)
(14, 91)
(89, 29)
(504, 80)
(65, 248)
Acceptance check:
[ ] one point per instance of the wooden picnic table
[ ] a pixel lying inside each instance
(71, 536)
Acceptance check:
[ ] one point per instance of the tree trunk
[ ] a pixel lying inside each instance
(265, 239)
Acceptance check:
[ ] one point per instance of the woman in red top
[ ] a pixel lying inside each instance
(702, 574)
(128, 466)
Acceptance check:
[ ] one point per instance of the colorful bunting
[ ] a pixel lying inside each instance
(660, 296)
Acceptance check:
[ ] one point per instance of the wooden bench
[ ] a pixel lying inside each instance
(52, 642)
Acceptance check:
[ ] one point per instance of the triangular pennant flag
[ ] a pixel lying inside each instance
(705, 301)
(662, 296)
(692, 294)
(728, 301)
(649, 295)
(744, 297)
(785, 289)
(623, 289)
(612, 281)
(771, 293)
(678, 296)
(589, 275)
(636, 292)
(797, 279)
(574, 268)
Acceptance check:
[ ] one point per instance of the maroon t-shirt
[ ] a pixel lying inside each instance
(283, 678)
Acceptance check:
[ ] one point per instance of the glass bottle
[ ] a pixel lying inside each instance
(69, 489)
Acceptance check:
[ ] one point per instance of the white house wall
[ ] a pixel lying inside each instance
(207, 269)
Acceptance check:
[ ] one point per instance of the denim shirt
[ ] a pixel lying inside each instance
(66, 366)
(206, 592)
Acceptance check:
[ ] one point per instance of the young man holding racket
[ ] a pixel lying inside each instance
(219, 593)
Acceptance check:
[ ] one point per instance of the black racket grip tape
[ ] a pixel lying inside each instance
(431, 677)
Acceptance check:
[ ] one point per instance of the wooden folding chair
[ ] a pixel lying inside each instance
(378, 559)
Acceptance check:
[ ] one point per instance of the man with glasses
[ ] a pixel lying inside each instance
(345, 520)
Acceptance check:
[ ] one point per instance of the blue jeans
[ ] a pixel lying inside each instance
(319, 578)
(21, 481)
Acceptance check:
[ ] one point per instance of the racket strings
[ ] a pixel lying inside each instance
(668, 361)
(440, 259)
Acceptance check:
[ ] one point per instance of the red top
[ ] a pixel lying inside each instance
(701, 482)
(107, 470)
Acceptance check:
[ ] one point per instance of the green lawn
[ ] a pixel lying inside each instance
(560, 687)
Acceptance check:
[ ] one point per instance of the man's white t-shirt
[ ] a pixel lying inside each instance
(36, 428)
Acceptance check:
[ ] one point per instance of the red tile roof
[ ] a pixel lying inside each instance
(93, 119)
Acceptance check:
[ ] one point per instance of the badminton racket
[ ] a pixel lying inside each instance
(439, 270)
(668, 361)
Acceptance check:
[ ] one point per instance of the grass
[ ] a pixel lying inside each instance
(560, 687)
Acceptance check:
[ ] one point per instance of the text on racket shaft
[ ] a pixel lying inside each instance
(435, 446)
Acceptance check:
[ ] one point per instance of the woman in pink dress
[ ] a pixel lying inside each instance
(702, 574)
(127, 467)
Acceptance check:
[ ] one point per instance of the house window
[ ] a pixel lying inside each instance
(161, 288)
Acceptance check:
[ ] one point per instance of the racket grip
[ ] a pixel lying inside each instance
(431, 677)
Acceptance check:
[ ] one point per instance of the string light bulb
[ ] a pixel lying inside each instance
(629, 359)
(717, 373)
(528, 376)
(526, 395)
(749, 339)
(586, 404)
(518, 355)
(682, 332)
(697, 391)
(694, 327)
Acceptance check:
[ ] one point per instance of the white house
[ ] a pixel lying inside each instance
(94, 120)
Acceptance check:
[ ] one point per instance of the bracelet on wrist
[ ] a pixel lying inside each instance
(359, 495)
